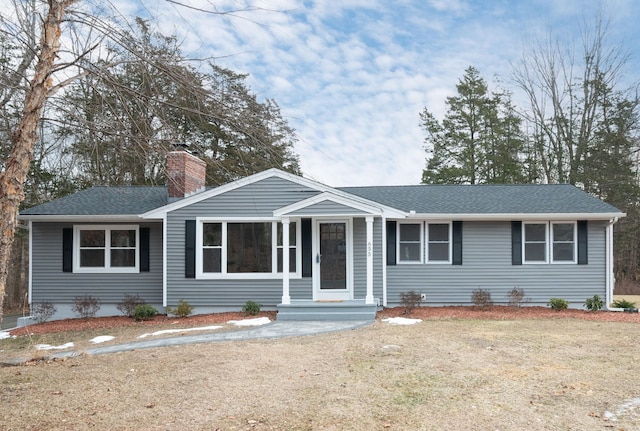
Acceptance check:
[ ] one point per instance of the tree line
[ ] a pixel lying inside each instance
(578, 125)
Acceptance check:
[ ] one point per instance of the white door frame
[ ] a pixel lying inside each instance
(332, 295)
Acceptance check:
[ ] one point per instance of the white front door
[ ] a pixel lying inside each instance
(333, 257)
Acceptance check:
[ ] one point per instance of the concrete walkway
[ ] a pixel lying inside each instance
(282, 329)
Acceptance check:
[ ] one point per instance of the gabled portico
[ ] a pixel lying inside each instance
(334, 251)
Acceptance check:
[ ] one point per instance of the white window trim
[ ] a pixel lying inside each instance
(549, 243)
(426, 242)
(107, 269)
(200, 274)
(575, 243)
(399, 261)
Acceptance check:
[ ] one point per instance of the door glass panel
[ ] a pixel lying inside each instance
(333, 256)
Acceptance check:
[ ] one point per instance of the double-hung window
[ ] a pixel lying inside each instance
(553, 242)
(246, 247)
(106, 248)
(410, 242)
(424, 242)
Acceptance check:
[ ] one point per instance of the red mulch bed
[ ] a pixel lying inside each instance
(425, 313)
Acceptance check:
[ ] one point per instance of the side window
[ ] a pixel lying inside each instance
(535, 242)
(438, 242)
(410, 242)
(563, 240)
(212, 247)
(106, 249)
(290, 250)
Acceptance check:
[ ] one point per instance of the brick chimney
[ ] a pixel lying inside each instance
(185, 174)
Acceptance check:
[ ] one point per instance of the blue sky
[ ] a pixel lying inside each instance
(352, 76)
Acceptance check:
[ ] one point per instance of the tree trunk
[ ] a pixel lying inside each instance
(23, 140)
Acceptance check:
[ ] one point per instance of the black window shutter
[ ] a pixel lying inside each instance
(67, 249)
(190, 249)
(144, 249)
(516, 243)
(583, 242)
(391, 242)
(457, 243)
(307, 258)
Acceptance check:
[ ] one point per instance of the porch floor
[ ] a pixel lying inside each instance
(308, 310)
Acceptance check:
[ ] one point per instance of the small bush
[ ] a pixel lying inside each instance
(481, 298)
(129, 304)
(410, 300)
(251, 308)
(144, 312)
(516, 297)
(85, 306)
(43, 311)
(623, 303)
(183, 309)
(594, 304)
(558, 304)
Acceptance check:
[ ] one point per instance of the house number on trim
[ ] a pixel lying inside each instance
(369, 249)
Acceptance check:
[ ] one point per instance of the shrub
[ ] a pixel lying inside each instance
(481, 298)
(183, 309)
(558, 304)
(129, 304)
(251, 308)
(410, 300)
(144, 312)
(85, 306)
(594, 304)
(516, 297)
(43, 311)
(623, 303)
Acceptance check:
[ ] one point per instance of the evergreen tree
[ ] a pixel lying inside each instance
(479, 140)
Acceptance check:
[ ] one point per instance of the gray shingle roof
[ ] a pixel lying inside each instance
(105, 200)
(485, 199)
(423, 199)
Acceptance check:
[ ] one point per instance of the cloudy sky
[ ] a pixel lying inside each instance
(352, 76)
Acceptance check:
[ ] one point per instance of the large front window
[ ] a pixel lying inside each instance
(246, 248)
(100, 248)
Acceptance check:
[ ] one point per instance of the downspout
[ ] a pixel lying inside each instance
(609, 278)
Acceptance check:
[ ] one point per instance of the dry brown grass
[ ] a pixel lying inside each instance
(455, 374)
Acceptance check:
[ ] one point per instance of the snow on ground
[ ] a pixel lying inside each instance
(401, 321)
(50, 347)
(176, 331)
(250, 322)
(4, 335)
(102, 339)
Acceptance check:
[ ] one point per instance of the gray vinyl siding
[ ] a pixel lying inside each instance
(49, 283)
(259, 199)
(487, 265)
(326, 208)
(360, 258)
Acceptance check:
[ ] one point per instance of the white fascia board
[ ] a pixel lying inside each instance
(83, 218)
(518, 216)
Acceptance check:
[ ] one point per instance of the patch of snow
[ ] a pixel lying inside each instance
(4, 335)
(251, 322)
(102, 339)
(629, 408)
(401, 321)
(50, 347)
(176, 331)
(391, 346)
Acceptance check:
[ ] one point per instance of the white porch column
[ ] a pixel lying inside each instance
(286, 299)
(369, 298)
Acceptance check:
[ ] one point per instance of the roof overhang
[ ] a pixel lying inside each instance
(518, 216)
(95, 218)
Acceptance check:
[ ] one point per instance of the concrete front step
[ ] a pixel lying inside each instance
(336, 311)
